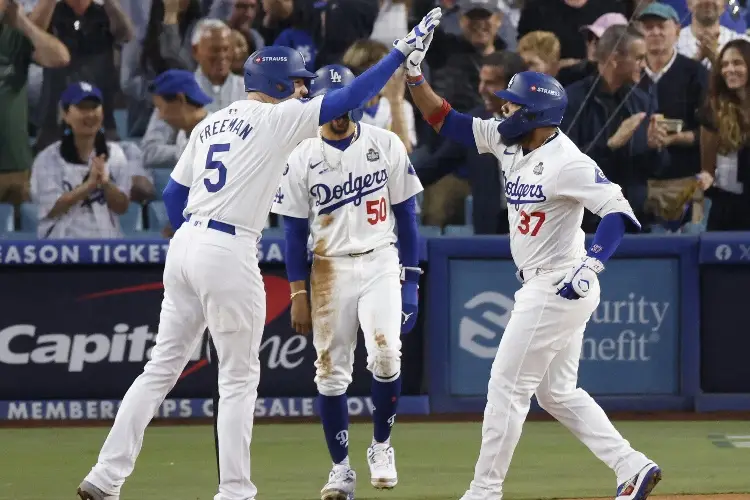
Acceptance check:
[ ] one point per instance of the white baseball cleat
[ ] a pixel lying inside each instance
(382, 461)
(87, 491)
(341, 484)
(639, 486)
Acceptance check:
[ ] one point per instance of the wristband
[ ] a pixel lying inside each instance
(439, 115)
(298, 292)
(417, 82)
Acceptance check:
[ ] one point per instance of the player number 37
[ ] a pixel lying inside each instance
(531, 222)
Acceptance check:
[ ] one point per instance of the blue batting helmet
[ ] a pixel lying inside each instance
(542, 100)
(271, 70)
(334, 76)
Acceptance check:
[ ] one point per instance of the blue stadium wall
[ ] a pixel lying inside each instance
(671, 332)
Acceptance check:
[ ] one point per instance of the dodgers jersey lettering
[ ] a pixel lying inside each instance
(235, 157)
(349, 206)
(547, 191)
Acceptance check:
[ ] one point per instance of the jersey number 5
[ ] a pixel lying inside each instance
(376, 211)
(525, 225)
(212, 164)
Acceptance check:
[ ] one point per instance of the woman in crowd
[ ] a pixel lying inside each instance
(389, 110)
(81, 182)
(167, 45)
(725, 140)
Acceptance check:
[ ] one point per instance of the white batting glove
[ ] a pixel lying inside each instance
(415, 39)
(580, 280)
(413, 63)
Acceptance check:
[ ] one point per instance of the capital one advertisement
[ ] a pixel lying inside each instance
(85, 332)
(631, 341)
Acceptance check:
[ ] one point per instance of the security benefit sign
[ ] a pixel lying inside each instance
(85, 333)
(630, 345)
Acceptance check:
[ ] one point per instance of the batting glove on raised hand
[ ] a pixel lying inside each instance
(580, 280)
(413, 63)
(409, 297)
(415, 39)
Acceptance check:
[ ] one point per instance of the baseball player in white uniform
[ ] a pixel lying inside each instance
(347, 188)
(219, 197)
(548, 182)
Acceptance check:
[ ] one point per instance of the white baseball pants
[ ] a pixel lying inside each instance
(210, 278)
(539, 353)
(348, 292)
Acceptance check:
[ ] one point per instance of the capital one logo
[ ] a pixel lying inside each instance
(495, 311)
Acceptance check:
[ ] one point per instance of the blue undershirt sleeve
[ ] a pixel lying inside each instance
(338, 102)
(608, 236)
(295, 237)
(460, 128)
(175, 198)
(408, 232)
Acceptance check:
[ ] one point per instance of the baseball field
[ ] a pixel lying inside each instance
(435, 461)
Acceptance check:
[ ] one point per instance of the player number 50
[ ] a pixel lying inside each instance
(212, 164)
(376, 211)
(526, 222)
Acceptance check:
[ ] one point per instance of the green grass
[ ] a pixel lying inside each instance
(435, 460)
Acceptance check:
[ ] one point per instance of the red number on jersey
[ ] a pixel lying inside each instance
(526, 220)
(377, 211)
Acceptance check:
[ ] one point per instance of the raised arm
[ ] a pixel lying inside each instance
(437, 111)
(367, 85)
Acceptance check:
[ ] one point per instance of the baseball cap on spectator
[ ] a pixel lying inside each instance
(603, 22)
(179, 81)
(490, 6)
(80, 91)
(660, 10)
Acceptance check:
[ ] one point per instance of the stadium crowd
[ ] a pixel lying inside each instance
(99, 97)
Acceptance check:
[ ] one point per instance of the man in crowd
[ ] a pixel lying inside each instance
(21, 42)
(680, 84)
(214, 53)
(702, 38)
(90, 31)
(610, 121)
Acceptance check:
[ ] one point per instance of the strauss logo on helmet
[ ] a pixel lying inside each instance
(555, 93)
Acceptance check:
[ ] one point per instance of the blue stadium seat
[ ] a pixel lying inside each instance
(161, 178)
(429, 231)
(132, 220)
(459, 230)
(21, 236)
(6, 218)
(121, 123)
(157, 216)
(469, 210)
(29, 218)
(144, 235)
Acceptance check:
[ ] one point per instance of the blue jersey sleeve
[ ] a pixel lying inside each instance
(459, 127)
(338, 102)
(175, 197)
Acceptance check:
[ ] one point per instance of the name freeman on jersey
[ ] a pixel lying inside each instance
(518, 193)
(358, 186)
(236, 125)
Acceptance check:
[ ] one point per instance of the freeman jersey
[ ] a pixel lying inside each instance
(547, 191)
(384, 119)
(348, 202)
(52, 176)
(235, 157)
